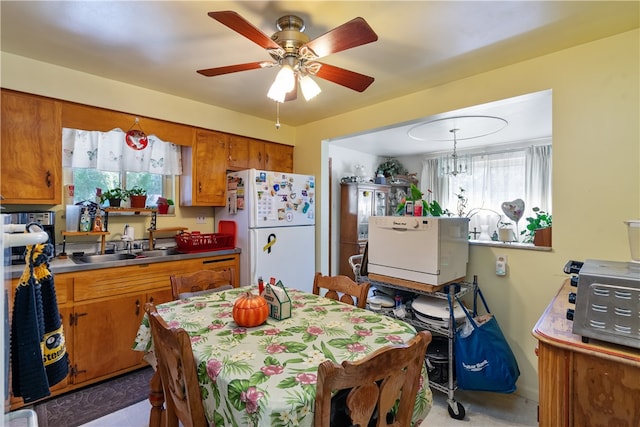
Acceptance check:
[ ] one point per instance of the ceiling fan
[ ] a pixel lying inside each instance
(297, 56)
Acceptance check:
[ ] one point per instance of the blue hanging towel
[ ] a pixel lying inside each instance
(38, 351)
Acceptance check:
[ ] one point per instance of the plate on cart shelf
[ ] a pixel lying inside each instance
(436, 311)
(376, 302)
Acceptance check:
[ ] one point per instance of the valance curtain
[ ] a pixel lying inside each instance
(108, 151)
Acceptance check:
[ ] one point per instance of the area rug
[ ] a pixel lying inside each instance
(81, 406)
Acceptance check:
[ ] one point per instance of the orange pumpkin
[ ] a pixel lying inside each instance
(250, 310)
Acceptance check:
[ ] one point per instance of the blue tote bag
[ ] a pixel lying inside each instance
(483, 359)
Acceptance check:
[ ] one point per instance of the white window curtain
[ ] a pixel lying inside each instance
(496, 178)
(538, 177)
(430, 179)
(108, 151)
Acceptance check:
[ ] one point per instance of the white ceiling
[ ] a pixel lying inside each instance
(421, 44)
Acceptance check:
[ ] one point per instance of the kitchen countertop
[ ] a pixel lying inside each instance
(67, 265)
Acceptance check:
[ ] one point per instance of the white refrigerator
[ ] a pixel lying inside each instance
(275, 221)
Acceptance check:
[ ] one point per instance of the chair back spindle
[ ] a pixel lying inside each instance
(342, 288)
(374, 384)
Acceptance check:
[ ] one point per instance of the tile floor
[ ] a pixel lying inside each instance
(482, 410)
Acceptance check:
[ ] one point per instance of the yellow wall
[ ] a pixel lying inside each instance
(596, 163)
(24, 74)
(27, 75)
(596, 139)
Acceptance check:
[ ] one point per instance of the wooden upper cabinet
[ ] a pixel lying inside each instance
(203, 181)
(256, 154)
(249, 153)
(245, 153)
(278, 157)
(31, 150)
(238, 158)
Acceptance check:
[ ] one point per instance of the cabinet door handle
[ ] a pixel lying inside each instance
(49, 179)
(137, 307)
(199, 186)
(73, 320)
(75, 371)
(209, 261)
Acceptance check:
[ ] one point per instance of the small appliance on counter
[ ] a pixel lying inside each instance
(608, 302)
(607, 298)
(46, 220)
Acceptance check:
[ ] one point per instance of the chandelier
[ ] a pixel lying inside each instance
(454, 164)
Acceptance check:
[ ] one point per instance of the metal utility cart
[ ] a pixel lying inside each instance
(456, 410)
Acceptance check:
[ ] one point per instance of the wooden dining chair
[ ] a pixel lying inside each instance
(342, 288)
(177, 369)
(372, 386)
(201, 282)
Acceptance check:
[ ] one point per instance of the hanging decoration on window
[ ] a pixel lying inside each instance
(136, 138)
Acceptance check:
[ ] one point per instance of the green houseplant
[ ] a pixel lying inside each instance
(415, 195)
(138, 196)
(114, 196)
(535, 224)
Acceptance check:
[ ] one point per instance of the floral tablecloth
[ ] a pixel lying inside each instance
(266, 376)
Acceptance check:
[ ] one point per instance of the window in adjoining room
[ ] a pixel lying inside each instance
(504, 174)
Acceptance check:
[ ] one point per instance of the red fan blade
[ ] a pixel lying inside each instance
(210, 72)
(240, 25)
(351, 34)
(346, 78)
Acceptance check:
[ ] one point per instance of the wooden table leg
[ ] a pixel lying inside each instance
(156, 397)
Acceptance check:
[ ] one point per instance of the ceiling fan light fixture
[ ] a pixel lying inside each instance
(285, 82)
(309, 87)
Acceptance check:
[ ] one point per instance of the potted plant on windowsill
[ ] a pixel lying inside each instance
(538, 229)
(114, 196)
(165, 206)
(138, 196)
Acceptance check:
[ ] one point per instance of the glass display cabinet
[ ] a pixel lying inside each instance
(358, 201)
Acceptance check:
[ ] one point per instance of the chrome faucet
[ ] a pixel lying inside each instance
(126, 238)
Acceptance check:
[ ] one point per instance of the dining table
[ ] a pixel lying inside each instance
(265, 376)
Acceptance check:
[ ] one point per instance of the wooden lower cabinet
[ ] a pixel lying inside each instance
(103, 333)
(102, 310)
(583, 384)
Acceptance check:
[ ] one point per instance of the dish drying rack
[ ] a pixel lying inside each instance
(455, 408)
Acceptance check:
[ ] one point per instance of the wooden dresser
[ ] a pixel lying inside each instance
(581, 385)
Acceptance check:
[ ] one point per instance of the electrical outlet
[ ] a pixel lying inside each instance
(501, 265)
(201, 219)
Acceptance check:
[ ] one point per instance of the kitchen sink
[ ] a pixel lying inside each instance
(99, 258)
(157, 252)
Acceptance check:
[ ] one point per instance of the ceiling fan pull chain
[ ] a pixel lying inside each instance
(277, 115)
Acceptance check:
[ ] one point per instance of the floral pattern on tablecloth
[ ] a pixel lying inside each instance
(266, 376)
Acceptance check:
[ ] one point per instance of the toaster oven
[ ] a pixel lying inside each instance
(607, 302)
